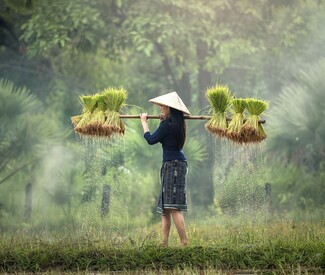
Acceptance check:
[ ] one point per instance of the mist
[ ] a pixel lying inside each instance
(50, 177)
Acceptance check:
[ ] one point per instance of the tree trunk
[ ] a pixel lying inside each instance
(105, 200)
(268, 195)
(167, 67)
(185, 89)
(204, 77)
(28, 201)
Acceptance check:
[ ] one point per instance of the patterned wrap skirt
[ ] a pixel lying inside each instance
(172, 193)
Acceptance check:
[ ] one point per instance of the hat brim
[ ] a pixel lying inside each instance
(171, 100)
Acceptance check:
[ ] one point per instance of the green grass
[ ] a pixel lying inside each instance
(282, 248)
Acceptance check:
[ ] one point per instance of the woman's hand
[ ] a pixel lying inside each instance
(144, 118)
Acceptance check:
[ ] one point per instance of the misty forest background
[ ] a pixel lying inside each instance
(51, 52)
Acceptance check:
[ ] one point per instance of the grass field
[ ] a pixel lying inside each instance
(281, 248)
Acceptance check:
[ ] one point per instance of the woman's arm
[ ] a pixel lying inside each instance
(144, 121)
(157, 136)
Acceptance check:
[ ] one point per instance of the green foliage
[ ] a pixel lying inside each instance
(296, 142)
(19, 6)
(61, 181)
(25, 143)
(16, 102)
(25, 132)
(173, 37)
(72, 25)
(298, 127)
(296, 189)
(242, 190)
(196, 154)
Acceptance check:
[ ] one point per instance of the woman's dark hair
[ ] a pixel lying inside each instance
(176, 120)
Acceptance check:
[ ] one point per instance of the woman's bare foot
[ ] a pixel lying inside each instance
(184, 242)
(164, 244)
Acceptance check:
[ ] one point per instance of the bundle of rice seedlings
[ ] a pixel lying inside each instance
(114, 101)
(89, 104)
(234, 132)
(252, 130)
(95, 125)
(219, 99)
(101, 113)
(113, 124)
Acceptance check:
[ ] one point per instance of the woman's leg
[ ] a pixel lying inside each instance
(179, 221)
(166, 223)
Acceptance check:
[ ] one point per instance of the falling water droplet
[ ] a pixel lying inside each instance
(104, 190)
(239, 181)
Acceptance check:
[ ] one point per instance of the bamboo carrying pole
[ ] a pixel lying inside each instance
(186, 117)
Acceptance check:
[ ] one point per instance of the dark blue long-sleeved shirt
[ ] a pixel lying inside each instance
(167, 137)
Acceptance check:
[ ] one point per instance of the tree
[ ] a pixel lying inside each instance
(296, 140)
(25, 135)
(67, 48)
(17, 139)
(63, 175)
(298, 127)
(166, 44)
(194, 42)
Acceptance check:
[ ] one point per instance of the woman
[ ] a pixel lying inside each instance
(171, 133)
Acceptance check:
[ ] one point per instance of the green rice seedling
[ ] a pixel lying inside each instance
(89, 104)
(113, 124)
(95, 125)
(75, 120)
(219, 99)
(114, 100)
(234, 132)
(253, 131)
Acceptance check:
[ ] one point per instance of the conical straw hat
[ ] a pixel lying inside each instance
(171, 100)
